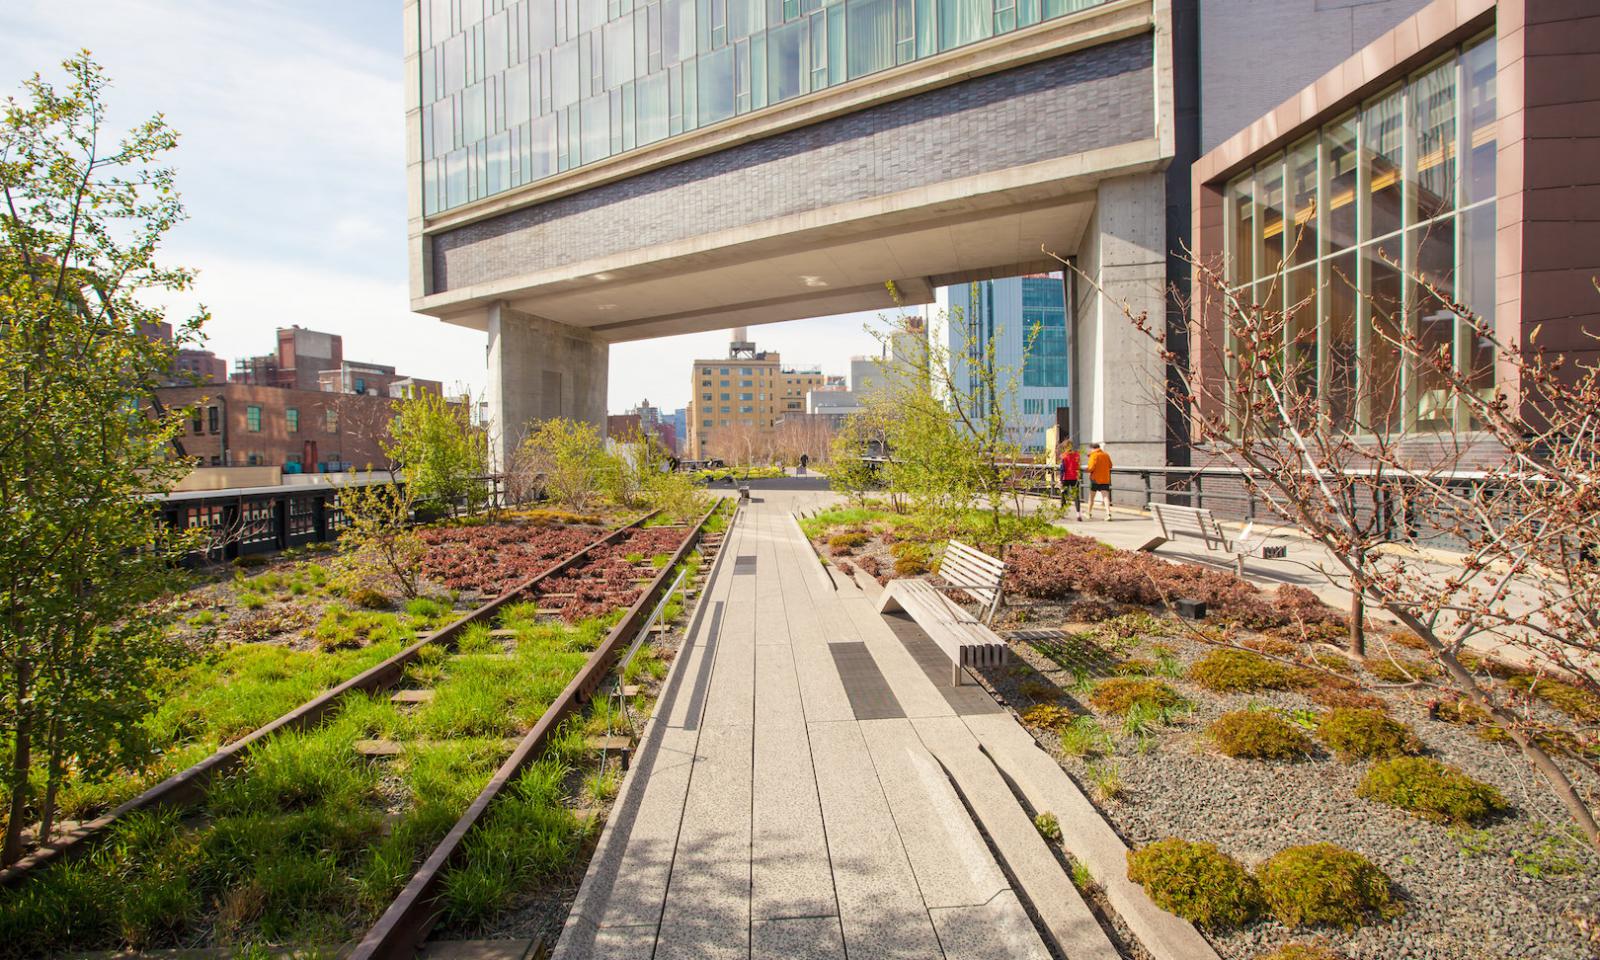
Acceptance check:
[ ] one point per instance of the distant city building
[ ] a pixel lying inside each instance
(679, 421)
(190, 365)
(313, 360)
(743, 393)
(901, 348)
(1025, 320)
(620, 426)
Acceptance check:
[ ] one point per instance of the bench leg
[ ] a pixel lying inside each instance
(955, 671)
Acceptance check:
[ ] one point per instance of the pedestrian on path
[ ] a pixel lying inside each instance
(1071, 478)
(804, 460)
(1099, 478)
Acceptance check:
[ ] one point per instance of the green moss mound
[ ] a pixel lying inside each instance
(1258, 735)
(1320, 883)
(1119, 694)
(1197, 882)
(1358, 734)
(1237, 671)
(1431, 790)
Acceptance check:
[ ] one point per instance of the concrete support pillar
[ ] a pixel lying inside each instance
(540, 370)
(1119, 375)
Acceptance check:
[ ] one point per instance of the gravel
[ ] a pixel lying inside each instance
(1522, 887)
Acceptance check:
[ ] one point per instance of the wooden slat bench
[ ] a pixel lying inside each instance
(963, 638)
(1198, 523)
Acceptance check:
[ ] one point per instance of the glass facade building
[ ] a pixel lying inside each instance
(514, 91)
(1022, 323)
(1337, 229)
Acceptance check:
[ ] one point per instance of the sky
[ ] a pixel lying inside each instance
(292, 167)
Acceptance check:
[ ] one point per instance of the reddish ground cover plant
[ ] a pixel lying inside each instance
(609, 580)
(1076, 565)
(491, 557)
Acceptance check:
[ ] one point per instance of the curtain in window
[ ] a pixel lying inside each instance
(870, 36)
(963, 21)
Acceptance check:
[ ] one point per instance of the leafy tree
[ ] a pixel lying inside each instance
(382, 552)
(443, 456)
(82, 215)
(570, 456)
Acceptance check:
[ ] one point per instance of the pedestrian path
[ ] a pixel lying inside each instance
(806, 790)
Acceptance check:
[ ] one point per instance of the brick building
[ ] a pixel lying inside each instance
(309, 431)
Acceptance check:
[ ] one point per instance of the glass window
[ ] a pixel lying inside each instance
(1382, 137)
(1269, 183)
(1302, 240)
(1476, 288)
(1340, 306)
(870, 43)
(1242, 237)
(716, 85)
(291, 419)
(1478, 76)
(1381, 390)
(1434, 325)
(963, 21)
(595, 123)
(1433, 128)
(330, 420)
(1340, 203)
(252, 418)
(788, 60)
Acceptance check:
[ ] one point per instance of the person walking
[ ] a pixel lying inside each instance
(1071, 478)
(804, 460)
(1099, 478)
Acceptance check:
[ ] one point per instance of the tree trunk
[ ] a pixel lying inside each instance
(47, 819)
(21, 760)
(1358, 628)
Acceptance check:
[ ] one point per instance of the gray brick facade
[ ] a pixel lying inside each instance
(1094, 98)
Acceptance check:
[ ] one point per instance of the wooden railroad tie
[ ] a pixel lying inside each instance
(411, 696)
(503, 632)
(622, 746)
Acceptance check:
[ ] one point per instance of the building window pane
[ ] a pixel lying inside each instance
(1381, 386)
(1434, 255)
(1300, 330)
(963, 21)
(291, 419)
(1269, 181)
(1478, 69)
(1382, 139)
(1339, 307)
(1433, 125)
(1339, 203)
(596, 128)
(716, 85)
(1477, 291)
(871, 36)
(252, 418)
(1241, 239)
(1302, 240)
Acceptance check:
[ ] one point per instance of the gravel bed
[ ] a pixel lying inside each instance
(1487, 894)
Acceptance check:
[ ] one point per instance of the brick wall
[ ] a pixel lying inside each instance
(1086, 100)
(360, 425)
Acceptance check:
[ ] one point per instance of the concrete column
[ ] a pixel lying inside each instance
(540, 370)
(1121, 380)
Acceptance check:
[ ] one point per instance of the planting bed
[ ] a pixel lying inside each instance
(315, 832)
(1129, 701)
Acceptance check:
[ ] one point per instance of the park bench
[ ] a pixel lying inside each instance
(1198, 523)
(967, 641)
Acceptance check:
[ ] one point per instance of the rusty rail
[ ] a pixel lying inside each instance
(188, 785)
(405, 924)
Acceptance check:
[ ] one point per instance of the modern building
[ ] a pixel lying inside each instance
(1457, 151)
(741, 394)
(679, 421)
(1011, 334)
(638, 170)
(301, 431)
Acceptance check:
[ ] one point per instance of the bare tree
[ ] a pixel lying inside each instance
(1344, 448)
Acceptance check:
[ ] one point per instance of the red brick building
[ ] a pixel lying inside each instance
(310, 431)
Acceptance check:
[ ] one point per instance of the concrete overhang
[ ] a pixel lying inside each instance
(832, 260)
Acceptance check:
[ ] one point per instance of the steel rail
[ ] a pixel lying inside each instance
(405, 924)
(187, 786)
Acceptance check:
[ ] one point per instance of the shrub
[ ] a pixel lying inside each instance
(1048, 826)
(368, 599)
(842, 543)
(1258, 735)
(1301, 951)
(1238, 671)
(1365, 734)
(1320, 883)
(1274, 645)
(1048, 716)
(1119, 694)
(1431, 790)
(250, 561)
(909, 567)
(1302, 607)
(1091, 610)
(1197, 882)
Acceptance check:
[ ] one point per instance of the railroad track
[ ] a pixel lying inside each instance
(403, 927)
(188, 786)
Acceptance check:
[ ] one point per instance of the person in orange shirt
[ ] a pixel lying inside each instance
(1071, 477)
(1099, 478)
